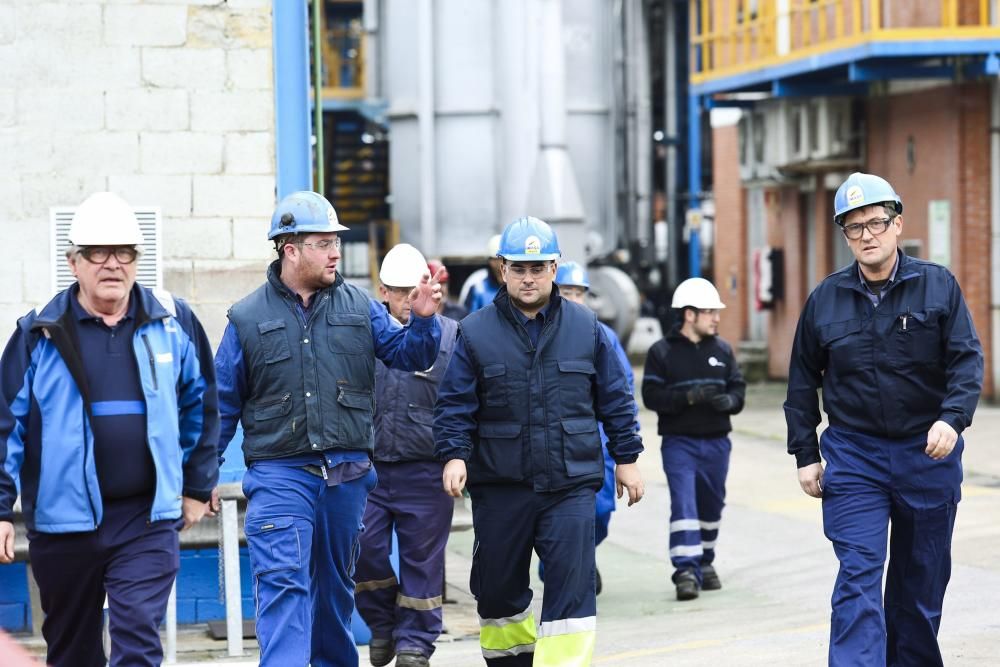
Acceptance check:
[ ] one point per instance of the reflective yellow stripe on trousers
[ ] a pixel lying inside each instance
(566, 643)
(502, 637)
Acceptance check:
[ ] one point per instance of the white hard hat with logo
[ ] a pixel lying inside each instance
(403, 266)
(697, 293)
(104, 218)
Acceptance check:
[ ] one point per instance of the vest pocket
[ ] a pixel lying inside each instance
(495, 385)
(272, 407)
(499, 451)
(582, 452)
(576, 380)
(350, 333)
(356, 420)
(274, 341)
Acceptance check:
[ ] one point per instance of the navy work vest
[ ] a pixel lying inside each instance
(312, 385)
(536, 420)
(405, 404)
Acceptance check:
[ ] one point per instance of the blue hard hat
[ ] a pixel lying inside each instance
(571, 274)
(528, 239)
(860, 190)
(304, 212)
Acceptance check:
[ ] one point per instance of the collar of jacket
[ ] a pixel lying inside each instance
(850, 276)
(274, 279)
(503, 304)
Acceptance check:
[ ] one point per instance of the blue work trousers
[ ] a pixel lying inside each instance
(131, 560)
(303, 541)
(869, 483)
(407, 610)
(696, 470)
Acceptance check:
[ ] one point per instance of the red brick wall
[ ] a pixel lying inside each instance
(786, 229)
(730, 263)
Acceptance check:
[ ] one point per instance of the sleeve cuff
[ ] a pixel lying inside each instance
(201, 496)
(807, 457)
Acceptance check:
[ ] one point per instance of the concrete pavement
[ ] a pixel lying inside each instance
(776, 566)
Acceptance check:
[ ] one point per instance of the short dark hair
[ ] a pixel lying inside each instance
(281, 240)
(889, 206)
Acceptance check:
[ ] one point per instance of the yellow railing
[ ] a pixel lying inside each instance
(734, 36)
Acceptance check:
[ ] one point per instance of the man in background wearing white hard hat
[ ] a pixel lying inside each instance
(109, 417)
(405, 614)
(297, 367)
(892, 344)
(694, 384)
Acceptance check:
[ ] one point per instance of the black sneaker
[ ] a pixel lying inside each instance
(709, 579)
(381, 651)
(598, 585)
(412, 659)
(686, 584)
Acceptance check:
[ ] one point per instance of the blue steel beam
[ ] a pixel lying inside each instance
(694, 181)
(797, 89)
(865, 72)
(988, 66)
(292, 131)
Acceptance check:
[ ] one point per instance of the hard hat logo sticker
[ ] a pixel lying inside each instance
(532, 246)
(855, 195)
(578, 275)
(331, 216)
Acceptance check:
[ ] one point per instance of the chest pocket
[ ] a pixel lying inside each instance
(495, 385)
(920, 342)
(575, 385)
(350, 333)
(274, 341)
(843, 345)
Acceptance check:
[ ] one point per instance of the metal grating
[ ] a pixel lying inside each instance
(150, 270)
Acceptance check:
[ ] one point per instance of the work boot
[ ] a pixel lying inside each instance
(687, 585)
(598, 586)
(709, 579)
(381, 651)
(412, 659)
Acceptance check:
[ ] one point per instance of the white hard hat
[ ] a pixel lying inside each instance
(493, 245)
(104, 218)
(403, 266)
(697, 293)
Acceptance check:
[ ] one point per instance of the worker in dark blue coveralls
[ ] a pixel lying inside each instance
(573, 282)
(297, 366)
(694, 384)
(109, 419)
(517, 418)
(892, 344)
(404, 613)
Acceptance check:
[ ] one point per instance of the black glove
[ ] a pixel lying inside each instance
(702, 393)
(723, 402)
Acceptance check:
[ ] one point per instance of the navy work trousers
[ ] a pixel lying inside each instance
(303, 540)
(410, 499)
(696, 470)
(509, 522)
(869, 483)
(129, 559)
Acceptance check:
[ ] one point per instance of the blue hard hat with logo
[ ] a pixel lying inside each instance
(528, 239)
(304, 212)
(571, 274)
(860, 190)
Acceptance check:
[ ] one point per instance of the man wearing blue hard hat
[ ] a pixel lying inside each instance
(517, 417)
(297, 367)
(891, 342)
(573, 281)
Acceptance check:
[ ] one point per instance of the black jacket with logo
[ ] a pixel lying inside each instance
(674, 366)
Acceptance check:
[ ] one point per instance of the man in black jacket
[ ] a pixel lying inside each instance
(694, 384)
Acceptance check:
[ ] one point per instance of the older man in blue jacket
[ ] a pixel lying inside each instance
(892, 344)
(109, 418)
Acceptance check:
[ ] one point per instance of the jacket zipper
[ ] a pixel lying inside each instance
(152, 361)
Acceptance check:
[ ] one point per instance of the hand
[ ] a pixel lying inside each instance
(425, 297)
(454, 477)
(723, 402)
(941, 440)
(627, 476)
(6, 542)
(811, 479)
(702, 393)
(214, 504)
(193, 511)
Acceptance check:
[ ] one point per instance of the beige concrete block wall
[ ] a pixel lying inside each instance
(168, 103)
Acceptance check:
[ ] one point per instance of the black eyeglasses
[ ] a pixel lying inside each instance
(856, 230)
(100, 254)
(325, 244)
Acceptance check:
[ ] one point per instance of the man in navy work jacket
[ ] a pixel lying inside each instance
(109, 418)
(892, 344)
(404, 614)
(517, 412)
(297, 366)
(694, 384)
